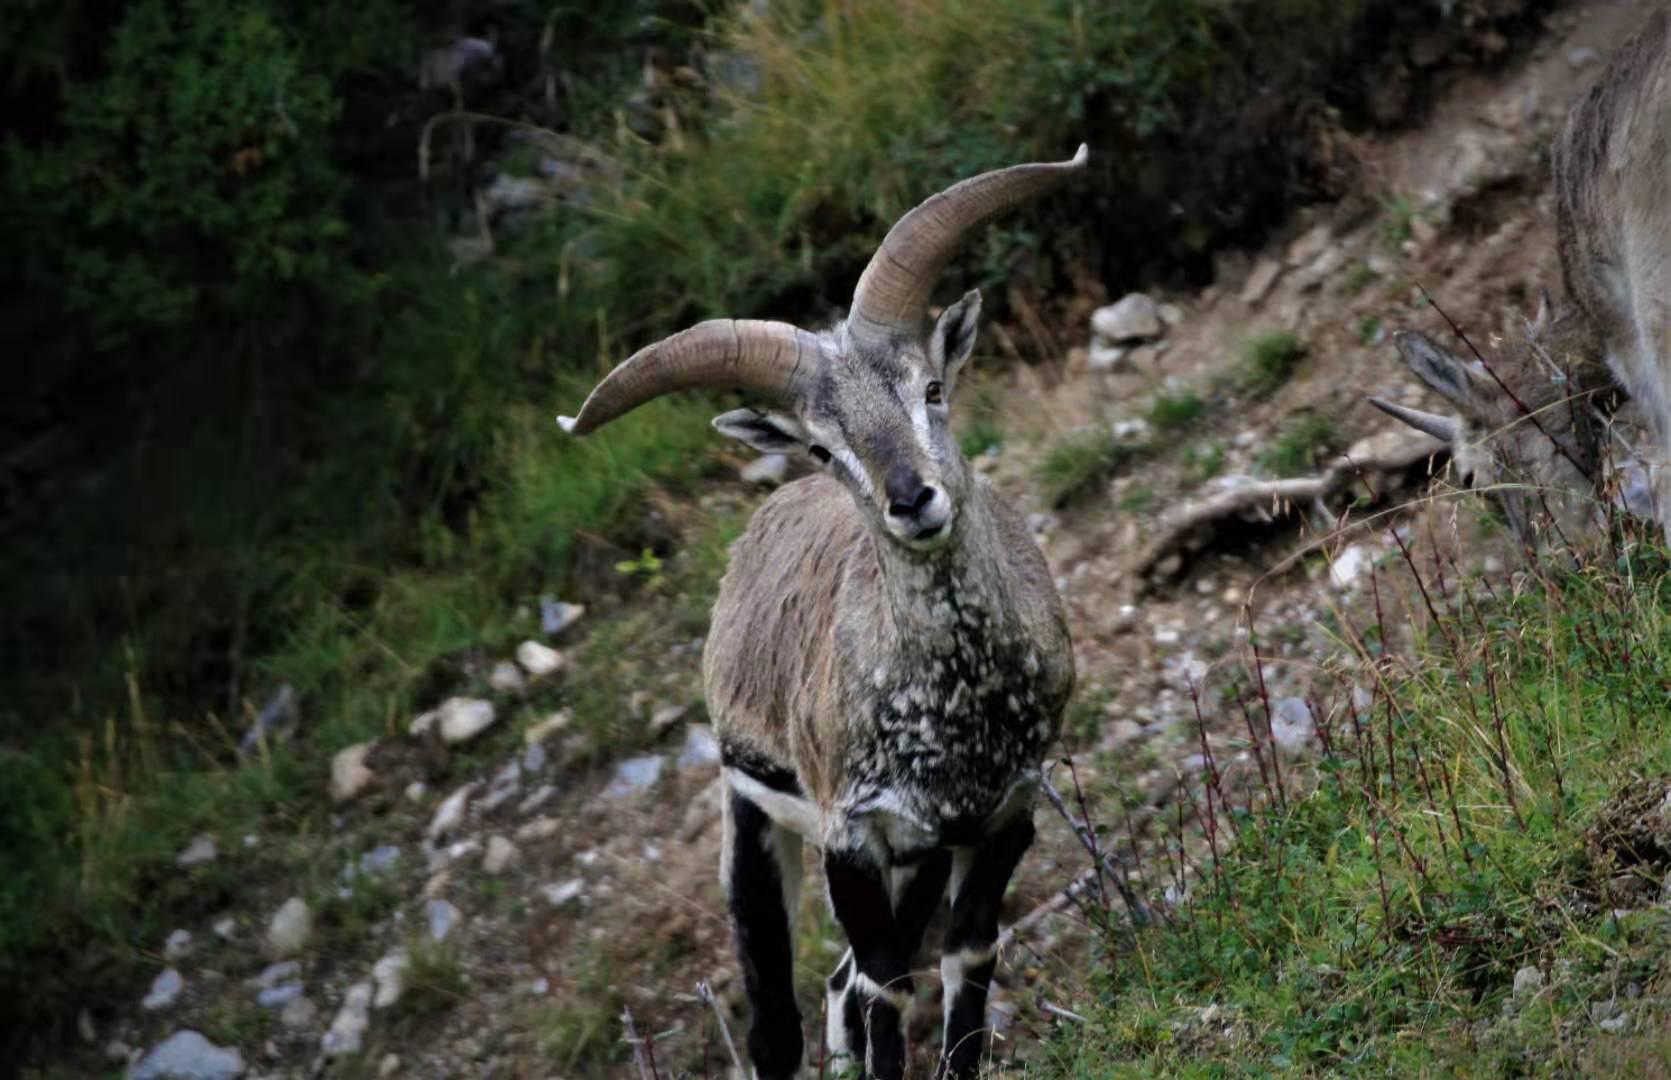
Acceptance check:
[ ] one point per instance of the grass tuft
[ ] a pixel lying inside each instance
(1082, 462)
(1307, 439)
(1269, 360)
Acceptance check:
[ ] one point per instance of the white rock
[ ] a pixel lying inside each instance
(1527, 981)
(350, 777)
(1106, 357)
(700, 748)
(766, 469)
(1170, 314)
(443, 919)
(187, 1055)
(290, 928)
(225, 927)
(1293, 726)
(634, 775)
(299, 1013)
(1135, 318)
(200, 850)
(1132, 427)
(1346, 567)
(463, 718)
(450, 814)
(558, 895)
(1309, 245)
(1582, 56)
(539, 829)
(538, 660)
(178, 946)
(533, 759)
(501, 856)
(546, 728)
(279, 996)
(165, 991)
(557, 616)
(506, 678)
(388, 1066)
(348, 1030)
(274, 974)
(536, 799)
(416, 791)
(390, 976)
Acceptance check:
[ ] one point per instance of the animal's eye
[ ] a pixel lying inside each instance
(818, 452)
(936, 393)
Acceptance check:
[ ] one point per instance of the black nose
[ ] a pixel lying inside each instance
(907, 494)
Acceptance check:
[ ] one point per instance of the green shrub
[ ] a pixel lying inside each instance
(1080, 463)
(1301, 446)
(1269, 359)
(1175, 411)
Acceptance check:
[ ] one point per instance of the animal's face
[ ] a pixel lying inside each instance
(878, 419)
(1523, 431)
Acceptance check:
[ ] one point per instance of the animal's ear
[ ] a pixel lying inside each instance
(954, 336)
(768, 432)
(1443, 371)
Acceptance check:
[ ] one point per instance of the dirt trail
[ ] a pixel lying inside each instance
(613, 899)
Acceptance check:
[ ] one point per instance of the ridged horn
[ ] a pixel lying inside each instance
(1440, 427)
(773, 358)
(893, 292)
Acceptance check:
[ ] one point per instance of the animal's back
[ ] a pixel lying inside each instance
(1611, 168)
(773, 623)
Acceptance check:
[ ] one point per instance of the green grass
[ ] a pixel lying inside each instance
(1398, 213)
(1358, 278)
(1492, 806)
(1204, 461)
(1176, 410)
(1269, 360)
(1304, 442)
(1079, 464)
(981, 436)
(1368, 328)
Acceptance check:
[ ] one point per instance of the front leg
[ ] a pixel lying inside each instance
(879, 984)
(979, 877)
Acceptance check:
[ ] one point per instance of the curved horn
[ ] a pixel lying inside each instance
(747, 354)
(1440, 427)
(893, 292)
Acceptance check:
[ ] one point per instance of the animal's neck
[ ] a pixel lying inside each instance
(963, 583)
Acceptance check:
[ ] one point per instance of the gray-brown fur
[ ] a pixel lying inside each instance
(1532, 421)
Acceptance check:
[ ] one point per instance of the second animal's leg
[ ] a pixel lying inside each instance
(875, 977)
(968, 959)
(762, 881)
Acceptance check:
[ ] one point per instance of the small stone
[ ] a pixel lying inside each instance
(438, 884)
(225, 927)
(540, 986)
(1615, 1025)
(84, 1027)
(200, 850)
(279, 996)
(1134, 319)
(379, 860)
(388, 1066)
(539, 829)
(443, 919)
(178, 946)
(1309, 245)
(1349, 565)
(1170, 314)
(1261, 281)
(1131, 428)
(538, 660)
(533, 759)
(187, 1055)
(450, 814)
(1106, 357)
(1169, 567)
(416, 791)
(1293, 725)
(557, 616)
(506, 678)
(118, 1052)
(766, 469)
(501, 856)
(299, 1013)
(564, 893)
(665, 716)
(274, 974)
(165, 991)
(348, 1030)
(634, 776)
(463, 718)
(1527, 981)
(390, 976)
(700, 748)
(1582, 56)
(290, 928)
(350, 778)
(537, 798)
(546, 728)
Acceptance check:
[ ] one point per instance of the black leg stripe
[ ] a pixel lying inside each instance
(765, 950)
